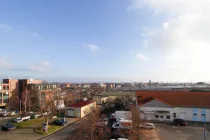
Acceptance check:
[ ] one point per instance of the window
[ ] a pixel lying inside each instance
(195, 114)
(156, 116)
(167, 117)
(161, 117)
(174, 115)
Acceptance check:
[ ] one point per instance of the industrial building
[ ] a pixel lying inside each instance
(168, 105)
(80, 109)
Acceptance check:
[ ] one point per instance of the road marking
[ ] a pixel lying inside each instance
(175, 127)
(178, 131)
(199, 132)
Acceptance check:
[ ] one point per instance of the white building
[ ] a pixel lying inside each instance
(123, 114)
(80, 109)
(167, 106)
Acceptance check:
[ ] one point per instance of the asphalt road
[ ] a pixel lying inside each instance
(68, 133)
(170, 132)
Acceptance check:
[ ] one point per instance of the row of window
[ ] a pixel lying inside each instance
(41, 87)
(4, 87)
(195, 114)
(159, 116)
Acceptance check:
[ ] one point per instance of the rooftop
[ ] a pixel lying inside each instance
(82, 103)
(176, 99)
(118, 94)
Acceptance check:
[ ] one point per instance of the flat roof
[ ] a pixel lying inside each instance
(81, 103)
(118, 94)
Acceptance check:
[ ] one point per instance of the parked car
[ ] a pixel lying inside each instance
(60, 122)
(17, 120)
(8, 126)
(147, 126)
(180, 122)
(25, 118)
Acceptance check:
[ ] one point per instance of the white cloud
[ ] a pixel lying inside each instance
(36, 34)
(5, 26)
(4, 64)
(44, 66)
(92, 47)
(183, 40)
(145, 44)
(142, 57)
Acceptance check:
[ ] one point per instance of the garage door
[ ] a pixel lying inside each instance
(70, 113)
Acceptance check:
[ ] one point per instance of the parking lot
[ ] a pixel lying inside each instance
(170, 132)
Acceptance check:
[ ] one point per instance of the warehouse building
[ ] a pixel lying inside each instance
(80, 109)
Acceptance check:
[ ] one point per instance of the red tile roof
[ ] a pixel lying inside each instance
(81, 103)
(177, 99)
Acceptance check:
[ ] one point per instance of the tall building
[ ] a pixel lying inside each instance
(4, 95)
(10, 93)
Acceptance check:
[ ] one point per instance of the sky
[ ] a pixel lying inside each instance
(105, 40)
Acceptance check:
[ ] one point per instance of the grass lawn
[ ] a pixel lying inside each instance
(51, 129)
(29, 122)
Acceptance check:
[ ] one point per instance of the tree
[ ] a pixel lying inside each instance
(136, 121)
(47, 103)
(25, 98)
(93, 118)
(68, 98)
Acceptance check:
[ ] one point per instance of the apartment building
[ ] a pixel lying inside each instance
(4, 95)
(44, 92)
(9, 94)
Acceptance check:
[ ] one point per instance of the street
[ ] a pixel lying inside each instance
(69, 132)
(169, 132)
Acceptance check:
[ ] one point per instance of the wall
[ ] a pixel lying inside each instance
(14, 94)
(76, 112)
(87, 109)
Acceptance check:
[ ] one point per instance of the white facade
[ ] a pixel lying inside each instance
(167, 113)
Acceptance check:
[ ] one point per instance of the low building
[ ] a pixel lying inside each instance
(168, 105)
(80, 109)
(100, 99)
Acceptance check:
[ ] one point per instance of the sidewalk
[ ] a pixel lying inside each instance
(27, 133)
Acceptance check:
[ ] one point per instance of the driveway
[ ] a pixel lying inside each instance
(69, 132)
(170, 132)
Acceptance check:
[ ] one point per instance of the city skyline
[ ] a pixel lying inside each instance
(109, 41)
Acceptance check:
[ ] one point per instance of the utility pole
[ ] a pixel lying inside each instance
(29, 106)
(20, 106)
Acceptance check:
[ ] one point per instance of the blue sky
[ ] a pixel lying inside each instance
(91, 40)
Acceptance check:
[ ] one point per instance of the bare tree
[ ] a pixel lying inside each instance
(68, 98)
(25, 98)
(47, 103)
(93, 119)
(136, 121)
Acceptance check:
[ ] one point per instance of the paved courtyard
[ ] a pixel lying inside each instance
(170, 132)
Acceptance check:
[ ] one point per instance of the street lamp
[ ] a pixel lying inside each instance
(204, 133)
